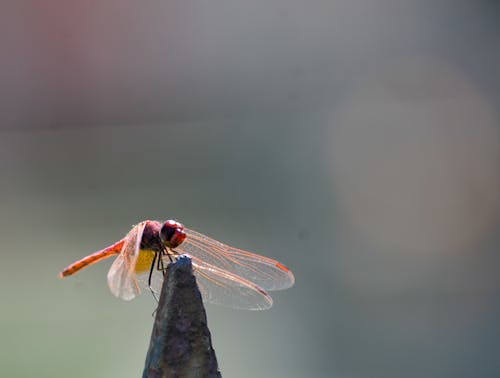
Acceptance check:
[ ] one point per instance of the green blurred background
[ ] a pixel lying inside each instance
(355, 141)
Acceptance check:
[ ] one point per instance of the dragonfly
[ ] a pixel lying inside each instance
(225, 275)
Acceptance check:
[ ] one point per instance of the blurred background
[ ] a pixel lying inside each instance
(355, 141)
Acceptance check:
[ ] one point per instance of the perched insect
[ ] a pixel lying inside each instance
(225, 275)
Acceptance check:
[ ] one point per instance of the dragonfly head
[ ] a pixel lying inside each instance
(172, 234)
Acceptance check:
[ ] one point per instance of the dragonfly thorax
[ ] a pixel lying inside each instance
(151, 237)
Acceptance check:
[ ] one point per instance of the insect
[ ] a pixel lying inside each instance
(225, 275)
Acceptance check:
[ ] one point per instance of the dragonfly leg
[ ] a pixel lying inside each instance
(158, 261)
(151, 275)
(169, 252)
(160, 264)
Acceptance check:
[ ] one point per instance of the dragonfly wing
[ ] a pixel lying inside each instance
(224, 288)
(121, 276)
(157, 277)
(267, 273)
(216, 286)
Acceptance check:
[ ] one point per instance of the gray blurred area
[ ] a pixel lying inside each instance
(358, 142)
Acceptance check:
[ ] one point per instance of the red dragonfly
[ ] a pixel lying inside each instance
(225, 275)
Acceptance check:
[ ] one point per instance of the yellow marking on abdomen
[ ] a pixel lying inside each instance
(144, 260)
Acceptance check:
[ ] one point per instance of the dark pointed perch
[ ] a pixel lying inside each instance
(180, 343)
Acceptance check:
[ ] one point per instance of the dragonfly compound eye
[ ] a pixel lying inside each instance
(172, 233)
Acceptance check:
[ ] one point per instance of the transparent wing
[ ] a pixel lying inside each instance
(224, 288)
(216, 286)
(267, 273)
(121, 276)
(157, 277)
